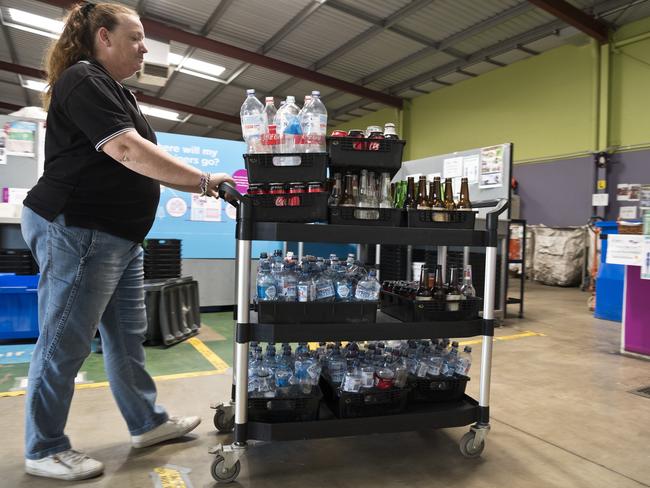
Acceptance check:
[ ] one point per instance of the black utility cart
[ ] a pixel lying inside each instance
(465, 411)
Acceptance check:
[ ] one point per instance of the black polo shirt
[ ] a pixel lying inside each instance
(92, 190)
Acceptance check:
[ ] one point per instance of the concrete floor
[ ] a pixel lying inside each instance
(562, 417)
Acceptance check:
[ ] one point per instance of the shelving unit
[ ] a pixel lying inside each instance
(467, 411)
(522, 277)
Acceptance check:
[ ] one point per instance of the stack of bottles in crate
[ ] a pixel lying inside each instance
(314, 279)
(417, 370)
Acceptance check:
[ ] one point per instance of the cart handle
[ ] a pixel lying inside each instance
(492, 216)
(230, 194)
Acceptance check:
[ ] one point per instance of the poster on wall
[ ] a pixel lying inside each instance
(491, 167)
(645, 263)
(205, 225)
(20, 138)
(628, 192)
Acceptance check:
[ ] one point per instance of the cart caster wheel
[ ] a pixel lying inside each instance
(467, 447)
(222, 423)
(222, 475)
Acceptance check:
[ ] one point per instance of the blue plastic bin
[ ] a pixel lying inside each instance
(609, 282)
(18, 306)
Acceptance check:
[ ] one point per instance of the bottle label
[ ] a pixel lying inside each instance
(269, 292)
(251, 125)
(351, 383)
(289, 291)
(423, 298)
(453, 299)
(363, 294)
(325, 290)
(303, 292)
(434, 368)
(462, 367)
(343, 291)
(421, 369)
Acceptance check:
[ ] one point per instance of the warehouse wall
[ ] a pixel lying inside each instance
(546, 106)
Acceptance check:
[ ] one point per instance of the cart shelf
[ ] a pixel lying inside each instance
(386, 328)
(418, 417)
(360, 234)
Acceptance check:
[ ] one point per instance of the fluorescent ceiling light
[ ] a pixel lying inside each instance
(201, 75)
(35, 85)
(195, 67)
(160, 113)
(36, 24)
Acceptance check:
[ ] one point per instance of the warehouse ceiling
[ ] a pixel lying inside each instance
(377, 52)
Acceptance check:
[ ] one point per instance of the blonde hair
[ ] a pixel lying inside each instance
(77, 39)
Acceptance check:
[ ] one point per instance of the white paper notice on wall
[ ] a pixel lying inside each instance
(452, 167)
(600, 199)
(628, 213)
(470, 169)
(625, 249)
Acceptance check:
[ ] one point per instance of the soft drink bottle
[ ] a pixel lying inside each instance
(314, 124)
(252, 124)
(268, 115)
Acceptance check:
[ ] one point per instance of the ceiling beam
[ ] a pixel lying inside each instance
(160, 30)
(144, 98)
(10, 106)
(577, 18)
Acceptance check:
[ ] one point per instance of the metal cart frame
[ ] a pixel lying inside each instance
(234, 415)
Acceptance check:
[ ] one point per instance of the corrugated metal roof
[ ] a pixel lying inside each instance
(30, 48)
(383, 8)
(320, 34)
(261, 79)
(425, 64)
(383, 49)
(446, 17)
(188, 89)
(250, 23)
(229, 101)
(190, 13)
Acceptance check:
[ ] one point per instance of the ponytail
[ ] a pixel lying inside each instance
(78, 37)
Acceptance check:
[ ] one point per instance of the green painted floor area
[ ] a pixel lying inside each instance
(216, 333)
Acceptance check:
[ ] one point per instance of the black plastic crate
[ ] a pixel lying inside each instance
(444, 219)
(286, 207)
(407, 310)
(17, 261)
(352, 152)
(289, 405)
(367, 403)
(263, 168)
(316, 312)
(387, 217)
(437, 389)
(158, 244)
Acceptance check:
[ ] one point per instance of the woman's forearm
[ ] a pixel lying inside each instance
(145, 158)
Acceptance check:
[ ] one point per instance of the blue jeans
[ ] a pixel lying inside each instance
(88, 279)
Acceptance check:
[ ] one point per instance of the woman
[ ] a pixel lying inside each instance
(83, 221)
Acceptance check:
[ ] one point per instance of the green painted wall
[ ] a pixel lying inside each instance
(630, 95)
(545, 105)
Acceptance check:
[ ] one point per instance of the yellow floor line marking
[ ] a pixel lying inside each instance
(103, 384)
(511, 337)
(219, 364)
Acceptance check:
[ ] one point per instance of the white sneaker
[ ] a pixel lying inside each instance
(68, 465)
(173, 428)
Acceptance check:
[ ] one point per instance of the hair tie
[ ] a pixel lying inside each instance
(87, 8)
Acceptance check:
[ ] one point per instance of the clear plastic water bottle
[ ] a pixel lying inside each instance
(254, 363)
(342, 284)
(305, 283)
(266, 284)
(268, 114)
(368, 289)
(314, 124)
(449, 364)
(464, 362)
(270, 360)
(284, 369)
(252, 124)
(288, 283)
(436, 362)
(336, 366)
(324, 288)
(288, 126)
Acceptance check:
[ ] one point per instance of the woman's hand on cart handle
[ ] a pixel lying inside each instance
(216, 179)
